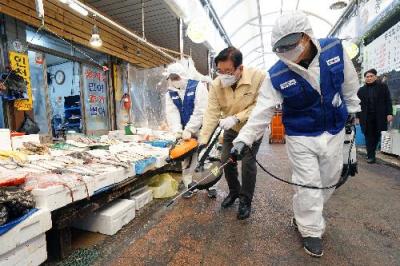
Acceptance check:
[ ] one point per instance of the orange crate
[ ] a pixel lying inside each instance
(277, 129)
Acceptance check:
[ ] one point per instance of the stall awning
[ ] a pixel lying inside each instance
(68, 24)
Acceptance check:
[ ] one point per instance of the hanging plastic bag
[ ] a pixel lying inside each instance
(29, 126)
(163, 186)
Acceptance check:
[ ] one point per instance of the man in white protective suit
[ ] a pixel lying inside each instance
(317, 84)
(186, 101)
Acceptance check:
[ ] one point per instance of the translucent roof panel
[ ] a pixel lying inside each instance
(248, 23)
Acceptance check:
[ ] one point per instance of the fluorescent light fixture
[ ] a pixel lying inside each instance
(64, 1)
(75, 6)
(95, 40)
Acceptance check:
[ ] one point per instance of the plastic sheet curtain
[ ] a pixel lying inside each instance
(147, 89)
(38, 93)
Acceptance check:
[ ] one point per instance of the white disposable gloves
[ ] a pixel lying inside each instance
(228, 123)
(186, 135)
(178, 134)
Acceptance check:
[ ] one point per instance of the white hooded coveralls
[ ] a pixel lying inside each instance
(316, 160)
(193, 126)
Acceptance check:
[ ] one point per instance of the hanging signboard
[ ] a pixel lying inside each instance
(20, 64)
(383, 53)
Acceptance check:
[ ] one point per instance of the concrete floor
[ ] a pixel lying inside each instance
(363, 225)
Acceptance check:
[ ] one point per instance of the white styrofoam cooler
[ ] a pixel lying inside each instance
(31, 253)
(35, 225)
(110, 219)
(123, 173)
(161, 161)
(142, 198)
(5, 139)
(55, 197)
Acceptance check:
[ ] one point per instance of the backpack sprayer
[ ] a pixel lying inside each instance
(349, 161)
(209, 173)
(208, 170)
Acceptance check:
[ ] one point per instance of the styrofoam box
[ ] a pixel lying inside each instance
(5, 139)
(103, 180)
(161, 161)
(123, 173)
(31, 253)
(110, 219)
(35, 225)
(142, 198)
(17, 141)
(55, 197)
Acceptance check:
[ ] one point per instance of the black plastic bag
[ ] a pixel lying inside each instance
(29, 126)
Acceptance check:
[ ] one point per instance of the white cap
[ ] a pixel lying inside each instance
(289, 23)
(178, 69)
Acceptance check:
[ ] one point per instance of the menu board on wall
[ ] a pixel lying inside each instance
(95, 92)
(383, 53)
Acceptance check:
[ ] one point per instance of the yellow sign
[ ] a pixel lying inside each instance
(20, 64)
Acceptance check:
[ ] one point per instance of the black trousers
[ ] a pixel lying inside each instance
(372, 135)
(249, 167)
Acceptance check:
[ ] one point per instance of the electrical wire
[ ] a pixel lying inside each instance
(341, 181)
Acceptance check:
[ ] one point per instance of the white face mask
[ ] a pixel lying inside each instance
(294, 54)
(227, 80)
(178, 84)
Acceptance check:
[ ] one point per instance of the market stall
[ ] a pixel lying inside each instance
(69, 183)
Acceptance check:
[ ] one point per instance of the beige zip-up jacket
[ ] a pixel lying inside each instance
(224, 102)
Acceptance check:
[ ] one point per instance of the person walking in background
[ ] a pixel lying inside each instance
(376, 111)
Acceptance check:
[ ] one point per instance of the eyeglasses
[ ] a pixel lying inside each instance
(220, 73)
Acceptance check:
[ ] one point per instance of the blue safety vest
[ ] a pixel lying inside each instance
(305, 111)
(187, 106)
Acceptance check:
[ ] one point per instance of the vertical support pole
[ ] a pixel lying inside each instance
(143, 35)
(180, 25)
(59, 243)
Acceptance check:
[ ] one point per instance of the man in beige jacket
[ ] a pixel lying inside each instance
(232, 97)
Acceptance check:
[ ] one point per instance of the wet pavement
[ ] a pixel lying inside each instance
(363, 225)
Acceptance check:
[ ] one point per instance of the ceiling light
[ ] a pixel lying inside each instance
(64, 1)
(95, 40)
(75, 6)
(337, 4)
(198, 30)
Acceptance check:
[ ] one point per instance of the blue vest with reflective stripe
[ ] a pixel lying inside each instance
(187, 106)
(305, 111)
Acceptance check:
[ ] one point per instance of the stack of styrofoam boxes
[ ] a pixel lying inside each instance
(25, 244)
(5, 140)
(386, 142)
(55, 197)
(142, 197)
(109, 219)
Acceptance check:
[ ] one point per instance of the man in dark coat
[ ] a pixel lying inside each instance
(376, 111)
